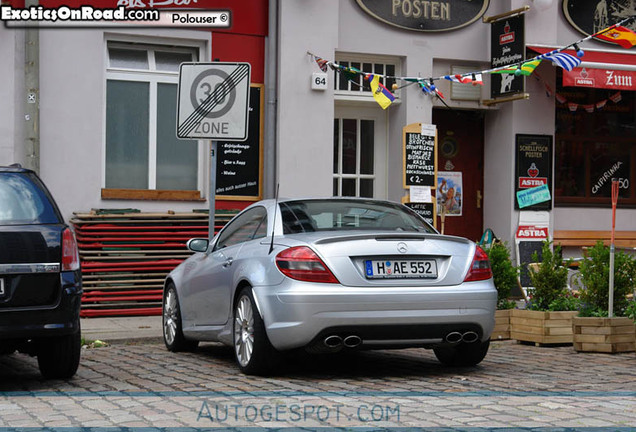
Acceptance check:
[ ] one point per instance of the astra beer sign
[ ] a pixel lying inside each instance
(425, 15)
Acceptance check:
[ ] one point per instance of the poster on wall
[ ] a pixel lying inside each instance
(507, 46)
(449, 193)
(533, 170)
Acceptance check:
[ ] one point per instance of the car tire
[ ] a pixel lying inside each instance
(253, 351)
(59, 357)
(463, 354)
(173, 336)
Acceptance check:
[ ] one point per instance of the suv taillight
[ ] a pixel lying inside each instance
(70, 254)
(480, 267)
(302, 263)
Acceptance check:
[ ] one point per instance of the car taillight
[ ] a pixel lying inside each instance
(480, 267)
(70, 255)
(302, 263)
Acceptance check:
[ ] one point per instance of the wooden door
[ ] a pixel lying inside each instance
(460, 140)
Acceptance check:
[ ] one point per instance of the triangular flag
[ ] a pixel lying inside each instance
(381, 94)
(322, 63)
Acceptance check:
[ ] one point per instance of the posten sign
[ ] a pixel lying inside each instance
(425, 15)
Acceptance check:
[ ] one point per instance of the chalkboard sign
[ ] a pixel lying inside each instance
(525, 249)
(239, 164)
(425, 210)
(419, 151)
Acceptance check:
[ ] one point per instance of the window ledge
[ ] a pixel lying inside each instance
(152, 195)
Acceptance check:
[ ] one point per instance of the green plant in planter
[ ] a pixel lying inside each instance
(549, 281)
(630, 312)
(593, 281)
(504, 273)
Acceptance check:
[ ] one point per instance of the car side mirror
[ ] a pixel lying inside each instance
(198, 244)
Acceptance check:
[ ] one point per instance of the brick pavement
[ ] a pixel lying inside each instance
(517, 387)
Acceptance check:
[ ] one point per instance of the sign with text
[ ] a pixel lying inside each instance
(425, 210)
(600, 78)
(239, 164)
(536, 195)
(507, 46)
(419, 155)
(212, 102)
(425, 15)
(533, 168)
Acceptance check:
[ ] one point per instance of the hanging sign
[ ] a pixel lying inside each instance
(425, 16)
(589, 17)
(450, 192)
(419, 146)
(507, 46)
(600, 78)
(533, 168)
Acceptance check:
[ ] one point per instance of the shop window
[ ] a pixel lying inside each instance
(354, 153)
(594, 146)
(144, 159)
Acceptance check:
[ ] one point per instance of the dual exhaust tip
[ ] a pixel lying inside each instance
(456, 337)
(335, 341)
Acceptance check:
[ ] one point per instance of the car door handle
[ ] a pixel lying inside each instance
(228, 262)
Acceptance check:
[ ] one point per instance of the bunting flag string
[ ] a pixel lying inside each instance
(616, 33)
(573, 106)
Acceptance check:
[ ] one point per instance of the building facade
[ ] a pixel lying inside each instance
(98, 86)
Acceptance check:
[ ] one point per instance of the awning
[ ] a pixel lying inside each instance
(599, 69)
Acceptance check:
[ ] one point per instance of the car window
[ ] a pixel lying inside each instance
(247, 226)
(340, 214)
(23, 200)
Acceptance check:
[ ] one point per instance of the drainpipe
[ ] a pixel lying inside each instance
(32, 96)
(271, 104)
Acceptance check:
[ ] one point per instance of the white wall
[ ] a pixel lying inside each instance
(12, 94)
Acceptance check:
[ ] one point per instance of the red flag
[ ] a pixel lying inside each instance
(619, 35)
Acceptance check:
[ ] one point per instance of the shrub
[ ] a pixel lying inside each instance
(593, 281)
(550, 280)
(630, 312)
(504, 273)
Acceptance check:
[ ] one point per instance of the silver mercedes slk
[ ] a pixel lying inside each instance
(331, 274)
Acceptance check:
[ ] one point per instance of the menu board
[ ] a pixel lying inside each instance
(425, 210)
(239, 164)
(533, 167)
(419, 146)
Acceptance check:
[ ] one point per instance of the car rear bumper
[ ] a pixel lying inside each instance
(299, 314)
(37, 322)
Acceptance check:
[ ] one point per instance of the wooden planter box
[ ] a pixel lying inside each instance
(606, 335)
(542, 328)
(502, 325)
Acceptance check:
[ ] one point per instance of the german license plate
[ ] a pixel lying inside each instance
(395, 269)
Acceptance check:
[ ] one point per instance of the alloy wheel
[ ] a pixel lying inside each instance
(244, 330)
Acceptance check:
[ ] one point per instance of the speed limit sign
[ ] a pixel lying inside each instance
(213, 101)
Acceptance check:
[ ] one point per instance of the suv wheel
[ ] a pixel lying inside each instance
(58, 357)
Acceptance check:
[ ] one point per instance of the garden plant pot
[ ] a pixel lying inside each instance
(502, 325)
(605, 335)
(542, 328)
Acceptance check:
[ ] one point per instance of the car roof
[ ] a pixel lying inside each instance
(15, 168)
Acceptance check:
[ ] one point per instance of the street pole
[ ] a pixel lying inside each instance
(212, 189)
(610, 312)
(32, 96)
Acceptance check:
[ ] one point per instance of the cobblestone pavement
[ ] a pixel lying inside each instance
(517, 387)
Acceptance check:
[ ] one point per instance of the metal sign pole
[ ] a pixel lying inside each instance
(212, 189)
(610, 312)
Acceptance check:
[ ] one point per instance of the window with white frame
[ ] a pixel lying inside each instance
(142, 151)
(353, 162)
(356, 84)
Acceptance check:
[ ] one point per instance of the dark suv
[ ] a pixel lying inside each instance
(40, 279)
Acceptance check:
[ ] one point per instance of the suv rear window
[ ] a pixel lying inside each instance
(23, 200)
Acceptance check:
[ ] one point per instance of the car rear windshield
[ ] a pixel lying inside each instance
(23, 201)
(330, 215)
